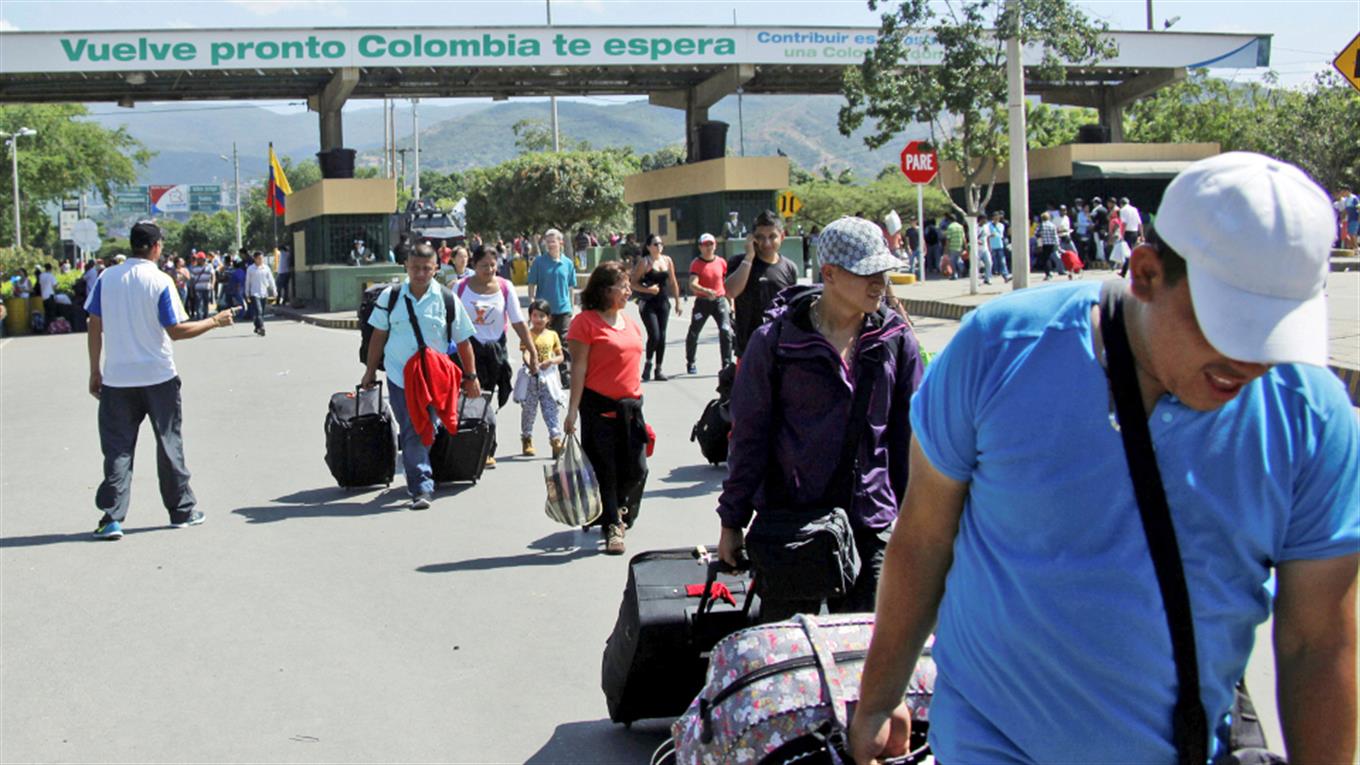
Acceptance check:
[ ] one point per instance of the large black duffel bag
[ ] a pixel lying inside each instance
(361, 438)
(676, 607)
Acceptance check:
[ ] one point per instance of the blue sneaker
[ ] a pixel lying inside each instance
(194, 518)
(111, 530)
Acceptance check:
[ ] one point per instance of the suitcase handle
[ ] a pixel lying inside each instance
(719, 566)
(359, 389)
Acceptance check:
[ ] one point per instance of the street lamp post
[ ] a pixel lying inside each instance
(236, 168)
(13, 140)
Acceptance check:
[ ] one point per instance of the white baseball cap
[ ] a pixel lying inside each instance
(706, 238)
(1256, 235)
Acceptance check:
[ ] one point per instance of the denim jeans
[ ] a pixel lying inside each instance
(202, 297)
(999, 261)
(257, 311)
(415, 456)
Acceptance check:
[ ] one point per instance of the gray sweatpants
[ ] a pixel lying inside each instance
(121, 411)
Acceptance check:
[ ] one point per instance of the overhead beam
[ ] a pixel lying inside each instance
(328, 103)
(1110, 100)
(697, 99)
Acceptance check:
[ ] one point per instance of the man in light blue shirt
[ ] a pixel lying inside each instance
(394, 343)
(553, 278)
(1021, 534)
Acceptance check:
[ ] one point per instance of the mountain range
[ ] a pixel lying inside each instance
(190, 140)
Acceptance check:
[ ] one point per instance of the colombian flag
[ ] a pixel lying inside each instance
(278, 190)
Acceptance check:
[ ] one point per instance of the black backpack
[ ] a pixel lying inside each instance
(713, 430)
(369, 302)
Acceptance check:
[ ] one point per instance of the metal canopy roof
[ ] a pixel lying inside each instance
(501, 62)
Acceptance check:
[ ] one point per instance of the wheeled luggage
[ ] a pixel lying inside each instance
(361, 438)
(783, 692)
(461, 456)
(676, 606)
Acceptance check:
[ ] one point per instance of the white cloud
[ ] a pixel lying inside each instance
(7, 26)
(271, 7)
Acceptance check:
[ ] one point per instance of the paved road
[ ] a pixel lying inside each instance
(303, 623)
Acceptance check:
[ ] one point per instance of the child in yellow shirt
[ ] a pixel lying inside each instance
(545, 385)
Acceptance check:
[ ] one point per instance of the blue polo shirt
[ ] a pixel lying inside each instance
(1052, 642)
(554, 280)
(401, 338)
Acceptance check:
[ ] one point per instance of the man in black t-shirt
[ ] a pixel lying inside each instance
(1100, 225)
(753, 279)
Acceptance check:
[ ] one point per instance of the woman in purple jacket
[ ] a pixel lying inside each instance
(791, 407)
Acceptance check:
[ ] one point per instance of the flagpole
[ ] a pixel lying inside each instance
(273, 214)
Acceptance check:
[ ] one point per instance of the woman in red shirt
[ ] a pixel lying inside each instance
(606, 391)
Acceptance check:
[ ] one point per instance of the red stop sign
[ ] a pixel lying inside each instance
(918, 164)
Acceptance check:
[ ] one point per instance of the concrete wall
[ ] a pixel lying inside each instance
(725, 174)
(1056, 162)
(339, 288)
(342, 196)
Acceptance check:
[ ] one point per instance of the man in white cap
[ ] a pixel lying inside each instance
(706, 276)
(1053, 640)
(820, 420)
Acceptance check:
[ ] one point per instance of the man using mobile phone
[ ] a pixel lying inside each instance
(137, 308)
(756, 276)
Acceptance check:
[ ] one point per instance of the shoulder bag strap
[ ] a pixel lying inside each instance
(1189, 723)
(415, 323)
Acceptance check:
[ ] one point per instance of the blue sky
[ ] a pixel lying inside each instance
(1307, 33)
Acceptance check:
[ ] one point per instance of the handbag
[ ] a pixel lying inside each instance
(573, 489)
(809, 553)
(1190, 725)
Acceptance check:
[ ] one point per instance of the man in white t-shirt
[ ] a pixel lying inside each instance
(1133, 222)
(47, 288)
(135, 312)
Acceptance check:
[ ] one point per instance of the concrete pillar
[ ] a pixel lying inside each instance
(694, 117)
(328, 103)
(1111, 114)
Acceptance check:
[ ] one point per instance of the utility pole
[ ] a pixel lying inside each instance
(236, 167)
(415, 140)
(387, 144)
(1019, 159)
(13, 140)
(401, 170)
(557, 139)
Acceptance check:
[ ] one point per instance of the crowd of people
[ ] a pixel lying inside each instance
(948, 485)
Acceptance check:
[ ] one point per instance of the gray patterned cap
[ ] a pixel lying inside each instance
(856, 245)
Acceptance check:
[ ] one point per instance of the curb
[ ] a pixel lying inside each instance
(306, 318)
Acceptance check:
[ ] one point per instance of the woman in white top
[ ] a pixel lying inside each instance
(493, 305)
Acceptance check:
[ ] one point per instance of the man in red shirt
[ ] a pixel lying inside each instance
(706, 276)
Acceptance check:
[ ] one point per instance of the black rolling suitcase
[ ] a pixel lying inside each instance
(462, 456)
(361, 438)
(673, 613)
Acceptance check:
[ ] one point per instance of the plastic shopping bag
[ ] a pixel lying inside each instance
(573, 491)
(520, 393)
(1120, 253)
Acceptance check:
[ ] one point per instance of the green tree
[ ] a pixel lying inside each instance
(560, 190)
(963, 98)
(67, 156)
(533, 135)
(825, 201)
(208, 232)
(666, 156)
(1312, 127)
(1047, 126)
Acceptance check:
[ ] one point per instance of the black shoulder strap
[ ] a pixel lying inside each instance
(1189, 722)
(451, 304)
(393, 293)
(415, 324)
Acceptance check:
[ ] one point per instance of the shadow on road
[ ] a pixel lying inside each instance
(38, 540)
(694, 480)
(552, 550)
(327, 502)
(600, 741)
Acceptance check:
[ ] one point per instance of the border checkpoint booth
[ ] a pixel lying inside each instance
(323, 220)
